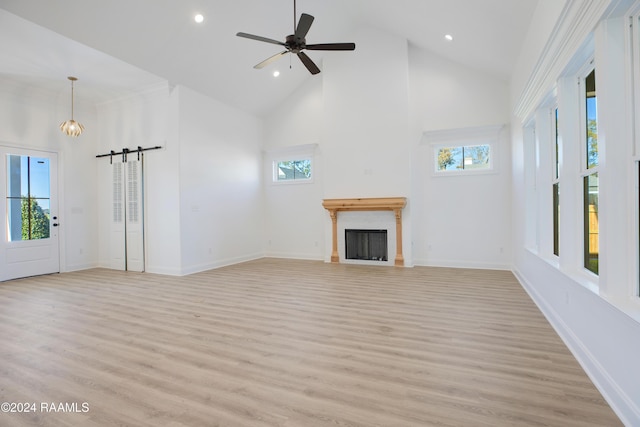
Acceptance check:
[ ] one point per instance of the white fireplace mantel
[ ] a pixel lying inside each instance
(395, 204)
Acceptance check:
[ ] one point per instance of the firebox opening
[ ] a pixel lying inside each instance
(369, 245)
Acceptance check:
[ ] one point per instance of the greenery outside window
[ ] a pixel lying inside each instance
(28, 198)
(463, 158)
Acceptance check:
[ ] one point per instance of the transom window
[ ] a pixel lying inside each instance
(467, 157)
(292, 170)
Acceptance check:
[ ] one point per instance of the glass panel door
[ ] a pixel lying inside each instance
(28, 182)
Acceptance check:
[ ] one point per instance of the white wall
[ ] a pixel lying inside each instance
(367, 117)
(365, 136)
(356, 111)
(462, 220)
(294, 217)
(221, 208)
(597, 317)
(365, 139)
(203, 195)
(30, 119)
(145, 120)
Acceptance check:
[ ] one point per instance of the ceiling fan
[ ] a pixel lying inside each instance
(296, 43)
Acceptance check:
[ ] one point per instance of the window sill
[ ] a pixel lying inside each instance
(629, 305)
(585, 278)
(491, 171)
(293, 182)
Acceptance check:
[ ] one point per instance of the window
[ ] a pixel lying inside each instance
(463, 150)
(463, 158)
(556, 185)
(590, 174)
(291, 165)
(592, 120)
(28, 198)
(292, 170)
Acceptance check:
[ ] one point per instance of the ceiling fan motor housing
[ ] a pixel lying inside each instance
(294, 45)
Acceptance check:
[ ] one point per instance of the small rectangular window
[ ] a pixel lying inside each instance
(463, 158)
(292, 170)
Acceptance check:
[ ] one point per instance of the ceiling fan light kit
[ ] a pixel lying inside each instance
(295, 43)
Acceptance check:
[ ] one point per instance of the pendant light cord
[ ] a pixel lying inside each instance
(71, 99)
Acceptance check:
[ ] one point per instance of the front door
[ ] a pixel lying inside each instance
(28, 201)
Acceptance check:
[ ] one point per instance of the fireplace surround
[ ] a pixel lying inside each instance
(394, 204)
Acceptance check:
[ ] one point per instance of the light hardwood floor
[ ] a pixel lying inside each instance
(288, 343)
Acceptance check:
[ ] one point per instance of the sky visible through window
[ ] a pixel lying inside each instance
(39, 169)
(463, 158)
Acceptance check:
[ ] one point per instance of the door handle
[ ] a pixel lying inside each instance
(55, 224)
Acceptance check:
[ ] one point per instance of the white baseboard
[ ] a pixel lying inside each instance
(461, 264)
(79, 267)
(624, 406)
(218, 264)
(289, 255)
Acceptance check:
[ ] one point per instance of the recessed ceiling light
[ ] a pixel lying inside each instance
(199, 18)
(449, 37)
(276, 73)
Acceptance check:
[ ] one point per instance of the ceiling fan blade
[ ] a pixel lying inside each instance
(303, 26)
(311, 66)
(331, 46)
(260, 38)
(270, 60)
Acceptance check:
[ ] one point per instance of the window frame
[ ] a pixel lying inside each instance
(295, 153)
(587, 171)
(276, 169)
(634, 52)
(556, 152)
(463, 170)
(465, 137)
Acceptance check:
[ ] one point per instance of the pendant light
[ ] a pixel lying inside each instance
(71, 127)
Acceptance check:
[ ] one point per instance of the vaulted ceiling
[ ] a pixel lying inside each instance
(119, 45)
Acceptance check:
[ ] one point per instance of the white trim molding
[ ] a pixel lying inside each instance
(577, 20)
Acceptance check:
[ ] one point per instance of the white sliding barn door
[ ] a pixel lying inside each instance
(134, 215)
(127, 224)
(117, 249)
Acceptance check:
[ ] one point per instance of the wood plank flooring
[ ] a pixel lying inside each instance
(288, 343)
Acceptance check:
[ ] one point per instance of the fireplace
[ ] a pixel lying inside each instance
(346, 206)
(366, 245)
